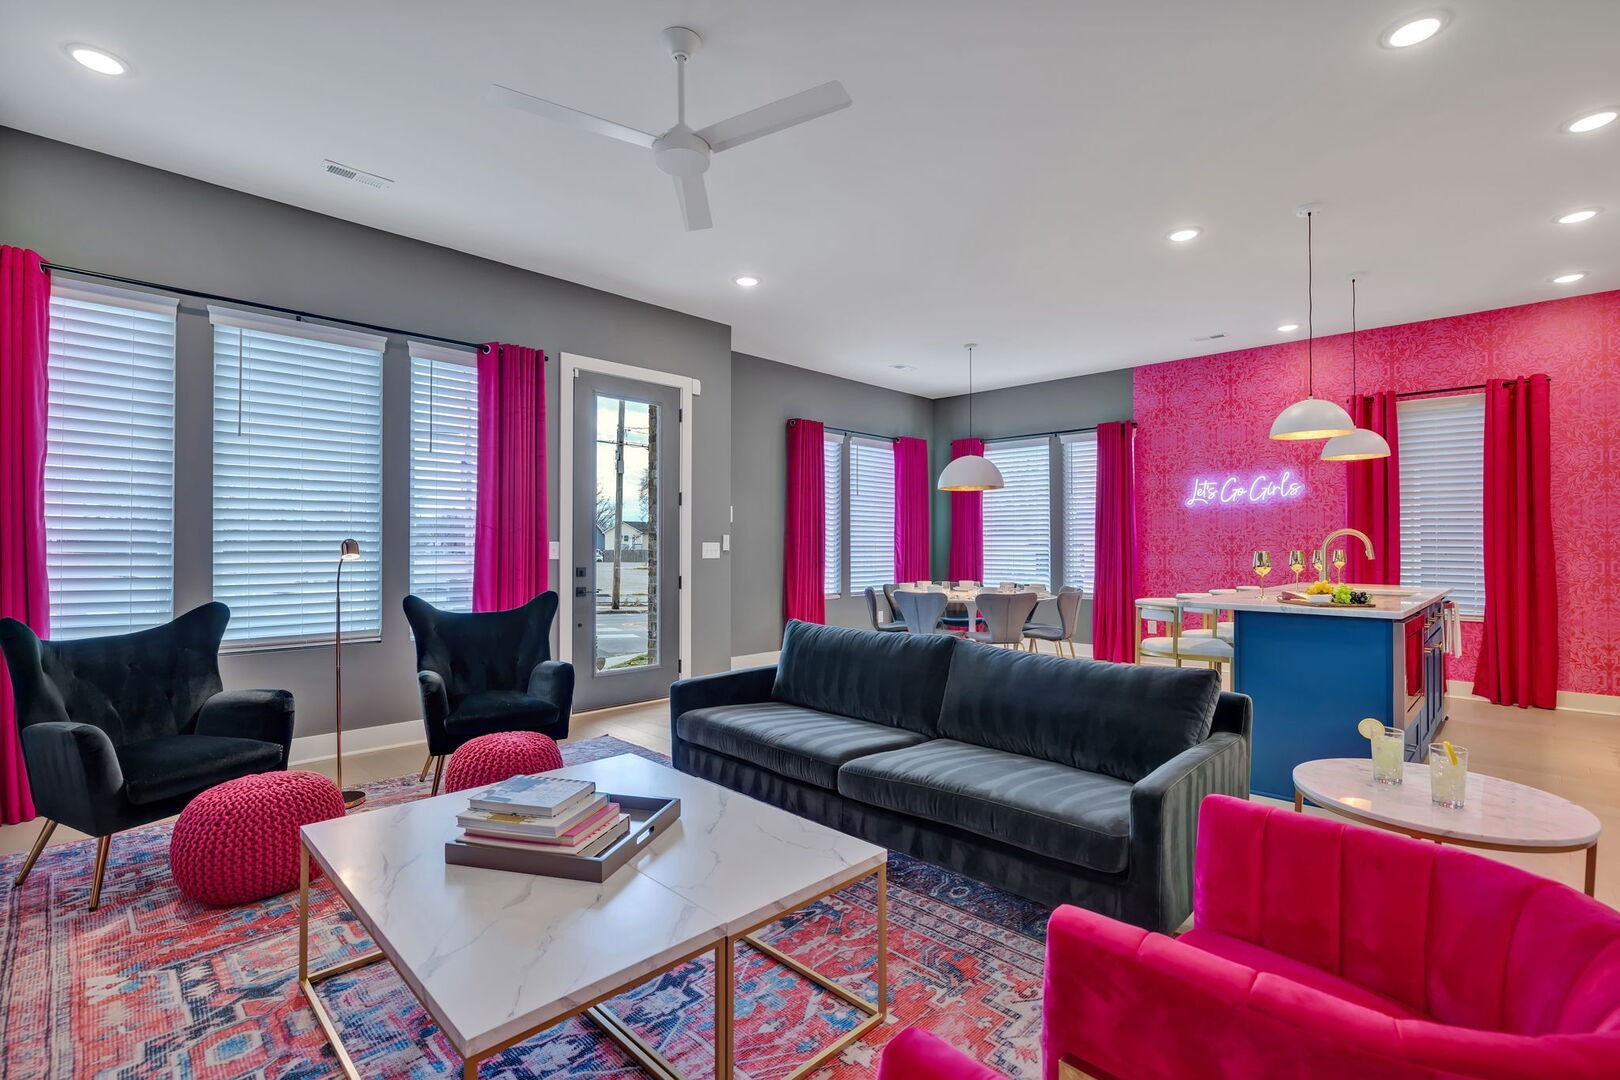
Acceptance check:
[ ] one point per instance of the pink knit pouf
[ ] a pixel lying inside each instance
(489, 759)
(238, 842)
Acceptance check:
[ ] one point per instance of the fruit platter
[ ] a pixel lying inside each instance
(1326, 594)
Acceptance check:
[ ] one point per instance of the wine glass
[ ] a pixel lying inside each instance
(1338, 564)
(1262, 567)
(1316, 563)
(1296, 563)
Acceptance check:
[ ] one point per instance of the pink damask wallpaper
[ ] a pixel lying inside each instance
(1209, 417)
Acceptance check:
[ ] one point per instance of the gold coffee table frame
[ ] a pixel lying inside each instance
(597, 1011)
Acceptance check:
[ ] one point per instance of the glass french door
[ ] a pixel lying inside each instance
(626, 542)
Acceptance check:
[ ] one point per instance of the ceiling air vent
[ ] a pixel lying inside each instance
(359, 176)
(1210, 337)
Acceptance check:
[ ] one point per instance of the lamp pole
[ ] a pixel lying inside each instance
(348, 551)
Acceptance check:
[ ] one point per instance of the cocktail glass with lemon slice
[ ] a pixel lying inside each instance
(1388, 751)
(1448, 774)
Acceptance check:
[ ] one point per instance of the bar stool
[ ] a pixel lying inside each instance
(1159, 609)
(1212, 645)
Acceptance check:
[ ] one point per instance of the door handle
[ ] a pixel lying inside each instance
(581, 591)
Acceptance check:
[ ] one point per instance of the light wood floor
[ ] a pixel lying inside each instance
(1573, 754)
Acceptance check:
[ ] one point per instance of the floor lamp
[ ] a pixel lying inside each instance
(348, 551)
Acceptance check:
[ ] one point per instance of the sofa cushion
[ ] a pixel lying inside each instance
(1261, 959)
(895, 680)
(1040, 806)
(488, 711)
(1121, 720)
(798, 743)
(161, 768)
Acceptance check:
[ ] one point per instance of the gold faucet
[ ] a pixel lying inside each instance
(1322, 552)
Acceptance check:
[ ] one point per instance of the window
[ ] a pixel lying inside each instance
(297, 469)
(1442, 462)
(1080, 510)
(109, 465)
(833, 496)
(444, 473)
(871, 513)
(1018, 516)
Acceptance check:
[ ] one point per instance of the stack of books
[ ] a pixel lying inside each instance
(544, 813)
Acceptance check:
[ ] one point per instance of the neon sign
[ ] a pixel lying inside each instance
(1236, 491)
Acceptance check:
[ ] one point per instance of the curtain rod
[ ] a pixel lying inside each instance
(1043, 434)
(863, 434)
(1448, 390)
(195, 295)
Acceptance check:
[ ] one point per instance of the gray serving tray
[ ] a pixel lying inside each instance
(650, 816)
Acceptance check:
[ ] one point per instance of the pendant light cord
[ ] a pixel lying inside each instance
(1353, 388)
(1310, 307)
(970, 391)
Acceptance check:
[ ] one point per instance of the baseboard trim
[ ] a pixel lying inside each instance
(310, 748)
(758, 659)
(1604, 704)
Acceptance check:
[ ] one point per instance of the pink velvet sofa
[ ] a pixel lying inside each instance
(1330, 952)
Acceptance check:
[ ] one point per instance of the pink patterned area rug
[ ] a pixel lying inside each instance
(155, 985)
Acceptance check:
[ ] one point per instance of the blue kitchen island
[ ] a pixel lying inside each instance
(1315, 672)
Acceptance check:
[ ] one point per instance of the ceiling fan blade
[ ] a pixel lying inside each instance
(795, 109)
(562, 114)
(694, 200)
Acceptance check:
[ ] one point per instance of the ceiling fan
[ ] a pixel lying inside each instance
(680, 151)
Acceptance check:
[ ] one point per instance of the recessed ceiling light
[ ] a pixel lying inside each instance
(97, 60)
(1181, 236)
(1288, 328)
(903, 367)
(747, 281)
(1569, 279)
(1409, 32)
(1591, 122)
(1575, 217)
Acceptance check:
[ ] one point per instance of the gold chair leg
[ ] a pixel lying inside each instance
(33, 852)
(438, 775)
(426, 765)
(103, 845)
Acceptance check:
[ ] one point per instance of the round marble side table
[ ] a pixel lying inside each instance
(1496, 814)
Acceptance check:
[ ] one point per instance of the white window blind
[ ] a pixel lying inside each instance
(833, 466)
(444, 473)
(1442, 462)
(1080, 510)
(871, 513)
(297, 469)
(1018, 517)
(109, 465)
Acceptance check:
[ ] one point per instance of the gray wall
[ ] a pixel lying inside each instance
(86, 209)
(765, 395)
(1061, 405)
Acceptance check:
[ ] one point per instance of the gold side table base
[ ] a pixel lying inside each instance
(642, 1052)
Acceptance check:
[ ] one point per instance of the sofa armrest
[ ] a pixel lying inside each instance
(915, 1054)
(266, 715)
(1234, 713)
(553, 681)
(1164, 824)
(746, 686)
(74, 773)
(435, 707)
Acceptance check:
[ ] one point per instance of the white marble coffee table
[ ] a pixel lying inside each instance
(1496, 814)
(496, 957)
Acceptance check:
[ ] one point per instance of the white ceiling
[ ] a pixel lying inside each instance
(1006, 174)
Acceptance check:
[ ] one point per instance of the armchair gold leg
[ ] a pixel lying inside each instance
(103, 845)
(426, 765)
(33, 852)
(438, 774)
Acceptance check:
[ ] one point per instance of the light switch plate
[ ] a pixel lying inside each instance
(725, 542)
(556, 549)
(711, 549)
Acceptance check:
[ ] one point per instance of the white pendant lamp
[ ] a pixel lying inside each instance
(1362, 444)
(1311, 418)
(970, 472)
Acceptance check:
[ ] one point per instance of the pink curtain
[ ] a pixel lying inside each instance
(1373, 496)
(804, 536)
(967, 522)
(912, 492)
(1518, 655)
(512, 552)
(25, 311)
(1113, 607)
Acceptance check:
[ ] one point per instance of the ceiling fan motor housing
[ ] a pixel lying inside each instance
(680, 152)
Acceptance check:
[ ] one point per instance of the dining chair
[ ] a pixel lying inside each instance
(1061, 633)
(921, 611)
(1212, 644)
(878, 622)
(888, 596)
(1004, 616)
(1158, 609)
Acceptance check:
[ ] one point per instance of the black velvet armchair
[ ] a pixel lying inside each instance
(121, 731)
(486, 672)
